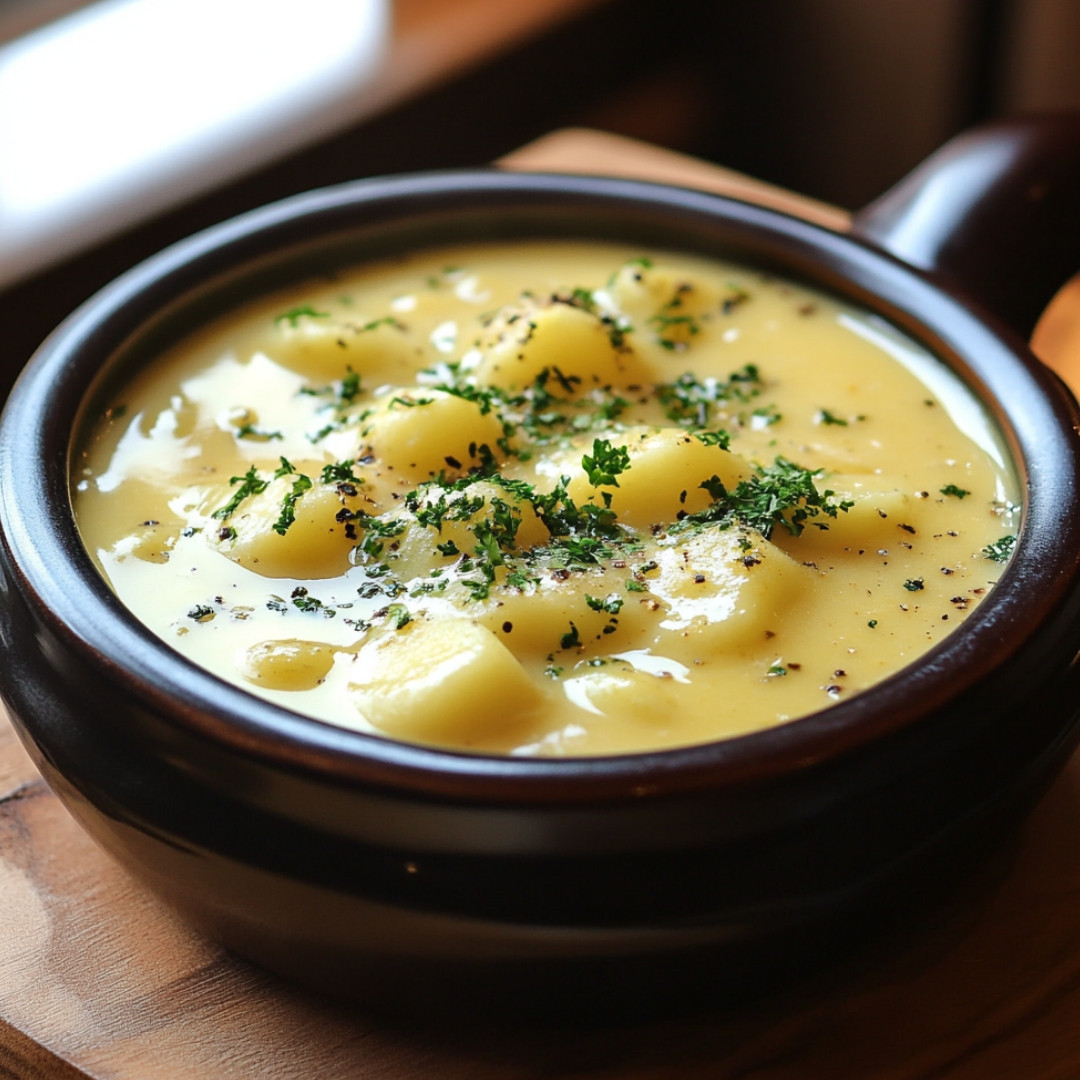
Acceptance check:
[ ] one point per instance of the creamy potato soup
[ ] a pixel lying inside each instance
(548, 499)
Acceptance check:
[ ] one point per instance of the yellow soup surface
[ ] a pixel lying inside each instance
(548, 499)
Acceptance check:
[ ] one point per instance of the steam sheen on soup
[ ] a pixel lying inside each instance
(548, 498)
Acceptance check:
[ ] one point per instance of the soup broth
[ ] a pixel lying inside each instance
(548, 499)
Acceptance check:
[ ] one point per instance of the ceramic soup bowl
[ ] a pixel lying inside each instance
(409, 875)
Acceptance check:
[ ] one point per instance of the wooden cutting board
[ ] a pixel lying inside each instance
(98, 979)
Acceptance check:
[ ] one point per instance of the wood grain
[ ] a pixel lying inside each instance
(98, 979)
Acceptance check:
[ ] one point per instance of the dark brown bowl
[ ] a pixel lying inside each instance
(403, 874)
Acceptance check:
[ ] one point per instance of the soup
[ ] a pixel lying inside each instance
(548, 499)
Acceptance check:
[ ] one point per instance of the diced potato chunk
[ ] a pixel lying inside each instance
(448, 682)
(721, 593)
(287, 664)
(317, 543)
(590, 612)
(664, 478)
(457, 514)
(881, 513)
(521, 345)
(327, 348)
(635, 697)
(421, 436)
(670, 312)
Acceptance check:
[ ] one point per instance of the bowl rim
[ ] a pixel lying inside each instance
(56, 577)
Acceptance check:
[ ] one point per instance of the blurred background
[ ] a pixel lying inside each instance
(836, 99)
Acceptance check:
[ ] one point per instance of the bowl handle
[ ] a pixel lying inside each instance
(994, 213)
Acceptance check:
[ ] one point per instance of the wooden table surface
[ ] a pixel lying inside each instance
(98, 979)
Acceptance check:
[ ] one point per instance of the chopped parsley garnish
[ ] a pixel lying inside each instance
(765, 416)
(954, 491)
(484, 399)
(342, 393)
(250, 431)
(1000, 550)
(340, 472)
(737, 297)
(674, 327)
(579, 298)
(582, 535)
(287, 516)
(638, 264)
(605, 463)
(780, 494)
(310, 604)
(585, 300)
(824, 416)
(521, 579)
(714, 438)
(398, 615)
(374, 324)
(348, 389)
(300, 485)
(611, 604)
(294, 315)
(665, 324)
(407, 402)
(376, 531)
(688, 400)
(250, 484)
